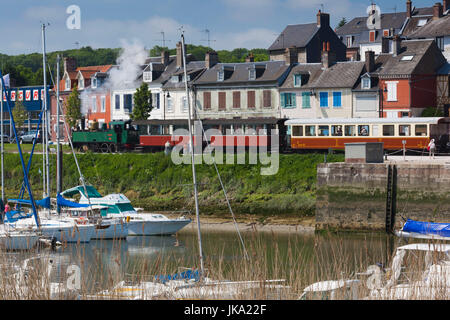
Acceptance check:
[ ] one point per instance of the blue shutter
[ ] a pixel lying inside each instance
(324, 99)
(283, 100)
(337, 101)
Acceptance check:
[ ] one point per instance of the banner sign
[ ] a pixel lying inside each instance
(31, 97)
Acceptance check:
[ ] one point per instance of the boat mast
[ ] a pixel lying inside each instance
(191, 145)
(2, 146)
(45, 136)
(58, 156)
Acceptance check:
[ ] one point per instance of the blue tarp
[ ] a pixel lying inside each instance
(185, 275)
(441, 229)
(60, 201)
(44, 203)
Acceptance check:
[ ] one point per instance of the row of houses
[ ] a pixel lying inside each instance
(313, 72)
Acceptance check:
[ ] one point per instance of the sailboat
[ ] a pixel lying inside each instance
(424, 230)
(191, 283)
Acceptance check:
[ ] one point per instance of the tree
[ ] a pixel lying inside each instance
(342, 22)
(73, 108)
(142, 103)
(20, 114)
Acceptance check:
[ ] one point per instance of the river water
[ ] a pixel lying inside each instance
(300, 258)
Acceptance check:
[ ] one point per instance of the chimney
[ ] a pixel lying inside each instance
(70, 64)
(409, 9)
(211, 59)
(250, 57)
(323, 19)
(437, 11)
(384, 45)
(291, 55)
(165, 58)
(396, 45)
(180, 55)
(444, 5)
(328, 57)
(370, 61)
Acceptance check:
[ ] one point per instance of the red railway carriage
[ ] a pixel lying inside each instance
(321, 134)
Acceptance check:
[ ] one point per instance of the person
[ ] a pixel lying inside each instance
(7, 208)
(339, 131)
(167, 147)
(432, 148)
(363, 131)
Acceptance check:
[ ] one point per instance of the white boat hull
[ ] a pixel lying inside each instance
(147, 225)
(73, 234)
(18, 240)
(111, 230)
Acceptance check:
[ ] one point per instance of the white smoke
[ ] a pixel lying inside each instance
(124, 75)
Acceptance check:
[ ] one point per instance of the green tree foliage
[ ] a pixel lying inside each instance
(142, 103)
(432, 112)
(73, 108)
(341, 23)
(20, 114)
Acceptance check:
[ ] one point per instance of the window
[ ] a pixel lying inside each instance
(236, 100)
(366, 83)
(207, 100)
(336, 131)
(350, 41)
(174, 79)
(147, 76)
(404, 114)
(386, 32)
(220, 75)
(388, 130)
(288, 100)
(156, 100)
(337, 99)
(103, 104)
(297, 131)
(68, 84)
(94, 104)
(222, 101)
(297, 80)
(372, 36)
(306, 100)
(323, 99)
(363, 130)
(267, 96)
(440, 43)
(94, 82)
(251, 74)
(350, 131)
(404, 130)
(117, 102)
(324, 131)
(407, 58)
(81, 83)
(169, 105)
(421, 130)
(392, 91)
(422, 22)
(251, 100)
(128, 102)
(310, 131)
(184, 104)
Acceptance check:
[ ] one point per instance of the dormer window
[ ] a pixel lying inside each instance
(68, 84)
(188, 77)
(372, 36)
(252, 73)
(81, 83)
(147, 76)
(94, 82)
(366, 83)
(297, 80)
(174, 79)
(220, 75)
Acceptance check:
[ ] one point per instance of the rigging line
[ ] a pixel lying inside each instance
(222, 185)
(61, 110)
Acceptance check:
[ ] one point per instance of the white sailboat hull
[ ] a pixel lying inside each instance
(111, 230)
(141, 224)
(18, 240)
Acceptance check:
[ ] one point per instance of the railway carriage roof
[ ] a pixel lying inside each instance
(428, 120)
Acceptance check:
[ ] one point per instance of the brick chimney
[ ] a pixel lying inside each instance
(444, 5)
(165, 58)
(437, 11)
(211, 59)
(250, 57)
(180, 55)
(384, 45)
(70, 64)
(323, 19)
(291, 55)
(409, 9)
(370, 61)
(328, 57)
(396, 45)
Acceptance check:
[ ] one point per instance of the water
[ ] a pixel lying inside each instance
(308, 257)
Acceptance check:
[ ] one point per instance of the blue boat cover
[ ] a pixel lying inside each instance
(441, 229)
(44, 203)
(185, 275)
(60, 201)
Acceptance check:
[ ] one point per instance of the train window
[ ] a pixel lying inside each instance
(324, 131)
(404, 130)
(421, 130)
(388, 130)
(297, 131)
(363, 130)
(350, 131)
(336, 130)
(310, 131)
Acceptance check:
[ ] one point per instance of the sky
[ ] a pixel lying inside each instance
(108, 23)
